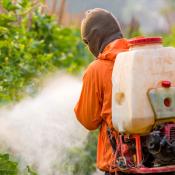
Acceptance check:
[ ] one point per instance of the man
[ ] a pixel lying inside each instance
(102, 34)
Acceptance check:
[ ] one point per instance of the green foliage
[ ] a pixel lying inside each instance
(7, 167)
(30, 171)
(169, 40)
(31, 45)
(82, 161)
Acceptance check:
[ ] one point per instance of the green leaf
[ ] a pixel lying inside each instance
(8, 5)
(25, 3)
(3, 30)
(7, 167)
(30, 171)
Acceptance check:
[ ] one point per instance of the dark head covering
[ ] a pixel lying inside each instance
(98, 29)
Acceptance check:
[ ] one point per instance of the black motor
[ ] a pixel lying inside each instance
(160, 144)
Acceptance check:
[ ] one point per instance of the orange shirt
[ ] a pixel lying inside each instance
(94, 106)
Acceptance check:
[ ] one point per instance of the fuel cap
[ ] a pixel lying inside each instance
(143, 41)
(166, 84)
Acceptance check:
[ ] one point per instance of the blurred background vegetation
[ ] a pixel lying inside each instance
(40, 37)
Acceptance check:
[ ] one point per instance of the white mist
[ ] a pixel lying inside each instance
(39, 130)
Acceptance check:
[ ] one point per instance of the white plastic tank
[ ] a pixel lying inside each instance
(145, 65)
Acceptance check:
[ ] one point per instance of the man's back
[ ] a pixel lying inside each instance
(94, 106)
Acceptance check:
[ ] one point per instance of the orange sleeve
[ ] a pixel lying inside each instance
(88, 108)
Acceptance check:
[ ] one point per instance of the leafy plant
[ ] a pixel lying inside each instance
(7, 167)
(169, 40)
(31, 45)
(30, 171)
(82, 160)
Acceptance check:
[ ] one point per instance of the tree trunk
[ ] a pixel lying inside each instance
(54, 5)
(61, 11)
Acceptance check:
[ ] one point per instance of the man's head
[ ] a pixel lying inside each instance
(98, 29)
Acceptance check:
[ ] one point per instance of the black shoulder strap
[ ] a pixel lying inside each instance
(111, 136)
(112, 139)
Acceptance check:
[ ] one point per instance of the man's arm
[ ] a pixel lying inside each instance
(88, 108)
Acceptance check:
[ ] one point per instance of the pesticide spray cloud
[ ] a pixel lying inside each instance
(40, 130)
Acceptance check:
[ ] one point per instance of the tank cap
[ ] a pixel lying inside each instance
(143, 41)
(166, 84)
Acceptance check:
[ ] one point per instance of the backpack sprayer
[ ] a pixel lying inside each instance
(143, 107)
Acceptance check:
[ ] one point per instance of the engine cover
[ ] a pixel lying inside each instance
(161, 144)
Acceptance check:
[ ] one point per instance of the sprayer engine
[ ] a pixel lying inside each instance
(160, 144)
(153, 153)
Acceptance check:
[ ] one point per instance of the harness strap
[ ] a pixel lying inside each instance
(112, 139)
(110, 132)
